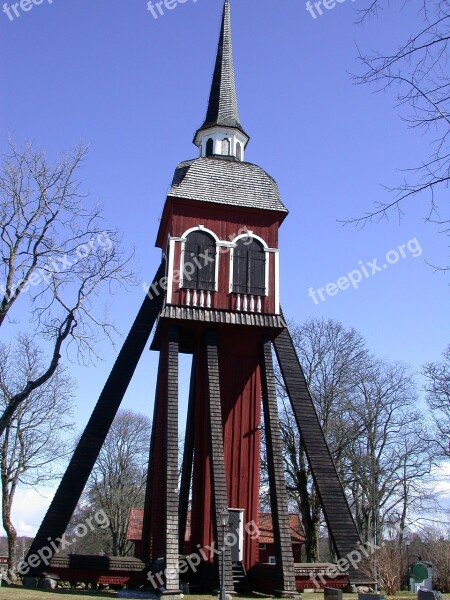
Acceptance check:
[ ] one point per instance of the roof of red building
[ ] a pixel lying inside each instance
(266, 529)
(265, 526)
(135, 524)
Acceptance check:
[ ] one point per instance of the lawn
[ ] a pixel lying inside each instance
(19, 593)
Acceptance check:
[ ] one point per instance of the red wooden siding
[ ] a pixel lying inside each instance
(241, 407)
(241, 411)
(226, 223)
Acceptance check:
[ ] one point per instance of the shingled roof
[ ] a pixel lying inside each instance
(222, 106)
(266, 534)
(233, 183)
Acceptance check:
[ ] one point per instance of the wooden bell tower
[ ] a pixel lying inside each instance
(216, 296)
(219, 234)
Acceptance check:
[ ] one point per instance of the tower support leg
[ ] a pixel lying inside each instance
(88, 448)
(218, 478)
(341, 525)
(278, 496)
(160, 530)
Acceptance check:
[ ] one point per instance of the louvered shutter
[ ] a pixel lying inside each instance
(199, 272)
(249, 268)
(240, 268)
(257, 269)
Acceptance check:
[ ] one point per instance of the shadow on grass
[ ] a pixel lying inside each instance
(62, 591)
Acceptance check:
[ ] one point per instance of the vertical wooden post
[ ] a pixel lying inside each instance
(172, 555)
(217, 462)
(278, 495)
(160, 530)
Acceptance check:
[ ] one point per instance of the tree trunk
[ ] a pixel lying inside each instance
(306, 509)
(11, 532)
(8, 485)
(115, 550)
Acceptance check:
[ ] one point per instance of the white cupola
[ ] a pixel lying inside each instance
(221, 134)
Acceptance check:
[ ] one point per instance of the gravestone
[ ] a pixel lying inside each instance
(428, 595)
(370, 596)
(332, 594)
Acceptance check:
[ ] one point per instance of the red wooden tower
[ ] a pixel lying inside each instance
(217, 297)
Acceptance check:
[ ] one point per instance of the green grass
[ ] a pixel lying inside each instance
(20, 593)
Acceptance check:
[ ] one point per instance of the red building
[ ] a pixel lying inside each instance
(267, 550)
(266, 541)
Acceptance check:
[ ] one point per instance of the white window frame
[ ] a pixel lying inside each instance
(267, 250)
(183, 240)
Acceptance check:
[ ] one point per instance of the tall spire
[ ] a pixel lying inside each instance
(222, 117)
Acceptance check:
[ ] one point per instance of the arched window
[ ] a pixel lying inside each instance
(249, 268)
(226, 147)
(209, 147)
(199, 266)
(238, 151)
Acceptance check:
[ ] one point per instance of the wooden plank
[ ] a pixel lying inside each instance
(217, 461)
(161, 523)
(172, 524)
(284, 569)
(206, 315)
(334, 503)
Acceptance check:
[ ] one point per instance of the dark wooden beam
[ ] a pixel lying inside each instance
(160, 528)
(171, 550)
(147, 537)
(88, 448)
(336, 510)
(285, 577)
(217, 461)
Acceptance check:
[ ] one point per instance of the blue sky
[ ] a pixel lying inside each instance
(136, 88)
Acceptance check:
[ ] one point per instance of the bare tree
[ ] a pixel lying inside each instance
(56, 256)
(436, 549)
(389, 565)
(31, 446)
(118, 480)
(389, 464)
(96, 540)
(418, 71)
(438, 399)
